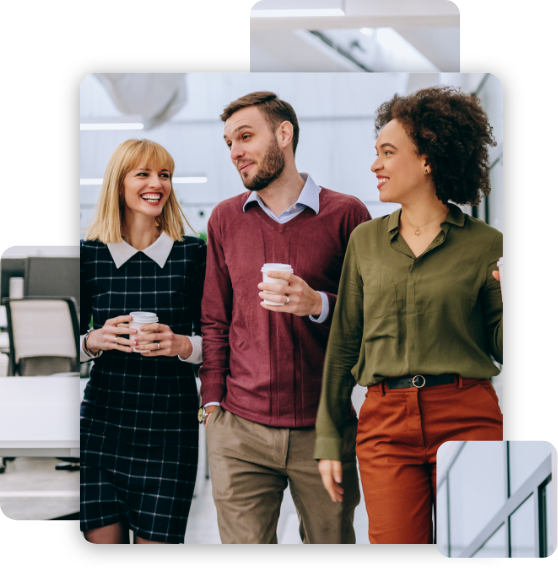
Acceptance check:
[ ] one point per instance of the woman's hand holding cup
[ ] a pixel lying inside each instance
(159, 340)
(110, 336)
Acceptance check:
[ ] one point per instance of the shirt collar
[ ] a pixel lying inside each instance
(159, 251)
(309, 196)
(455, 216)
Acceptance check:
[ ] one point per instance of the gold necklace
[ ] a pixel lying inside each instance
(417, 231)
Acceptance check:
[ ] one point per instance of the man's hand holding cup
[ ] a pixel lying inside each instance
(294, 297)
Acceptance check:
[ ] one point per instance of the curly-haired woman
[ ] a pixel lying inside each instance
(139, 428)
(418, 318)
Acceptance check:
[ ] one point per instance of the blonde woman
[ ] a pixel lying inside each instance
(139, 428)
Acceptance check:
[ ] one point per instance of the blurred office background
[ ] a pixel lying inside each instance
(496, 499)
(354, 36)
(39, 368)
(336, 117)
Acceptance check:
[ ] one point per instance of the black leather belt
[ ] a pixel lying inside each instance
(420, 381)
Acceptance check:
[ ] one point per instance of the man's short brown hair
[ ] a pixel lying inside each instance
(275, 110)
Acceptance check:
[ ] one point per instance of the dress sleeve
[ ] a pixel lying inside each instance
(196, 358)
(198, 292)
(85, 294)
(85, 305)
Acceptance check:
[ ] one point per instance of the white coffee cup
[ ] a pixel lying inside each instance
(275, 267)
(500, 264)
(139, 319)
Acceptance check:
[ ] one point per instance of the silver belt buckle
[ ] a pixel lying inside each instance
(418, 377)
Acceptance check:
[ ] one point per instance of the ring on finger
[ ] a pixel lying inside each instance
(115, 340)
(158, 346)
(287, 301)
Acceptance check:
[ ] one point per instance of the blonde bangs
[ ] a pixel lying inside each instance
(107, 222)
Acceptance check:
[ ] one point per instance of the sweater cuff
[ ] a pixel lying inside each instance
(328, 448)
(213, 394)
(196, 358)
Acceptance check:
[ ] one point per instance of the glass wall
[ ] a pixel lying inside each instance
(495, 546)
(477, 491)
(522, 530)
(494, 499)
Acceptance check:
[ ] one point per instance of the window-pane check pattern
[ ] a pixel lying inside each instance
(139, 399)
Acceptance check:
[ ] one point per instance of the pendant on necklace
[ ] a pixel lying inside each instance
(417, 232)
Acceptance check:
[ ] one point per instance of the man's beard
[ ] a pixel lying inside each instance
(270, 168)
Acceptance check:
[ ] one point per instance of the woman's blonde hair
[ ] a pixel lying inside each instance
(107, 222)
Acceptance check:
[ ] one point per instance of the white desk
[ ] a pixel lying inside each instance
(39, 416)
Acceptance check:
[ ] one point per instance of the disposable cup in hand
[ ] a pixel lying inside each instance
(275, 267)
(500, 264)
(139, 319)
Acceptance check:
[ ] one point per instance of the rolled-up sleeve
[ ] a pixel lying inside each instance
(342, 355)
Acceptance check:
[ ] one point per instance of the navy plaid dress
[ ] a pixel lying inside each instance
(139, 428)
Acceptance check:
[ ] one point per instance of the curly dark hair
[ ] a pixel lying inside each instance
(452, 130)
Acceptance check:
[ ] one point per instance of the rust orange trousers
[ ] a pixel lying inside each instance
(399, 432)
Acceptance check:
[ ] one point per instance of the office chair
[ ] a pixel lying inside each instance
(44, 340)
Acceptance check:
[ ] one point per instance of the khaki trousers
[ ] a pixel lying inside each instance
(251, 465)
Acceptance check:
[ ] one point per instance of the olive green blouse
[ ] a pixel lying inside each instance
(399, 315)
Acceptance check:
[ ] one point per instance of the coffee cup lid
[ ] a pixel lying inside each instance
(276, 266)
(144, 317)
(500, 262)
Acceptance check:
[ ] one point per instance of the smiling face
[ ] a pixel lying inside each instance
(254, 148)
(398, 167)
(147, 189)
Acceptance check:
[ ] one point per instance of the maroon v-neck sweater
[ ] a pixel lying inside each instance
(265, 366)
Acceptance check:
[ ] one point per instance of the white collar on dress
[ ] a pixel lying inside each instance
(159, 251)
